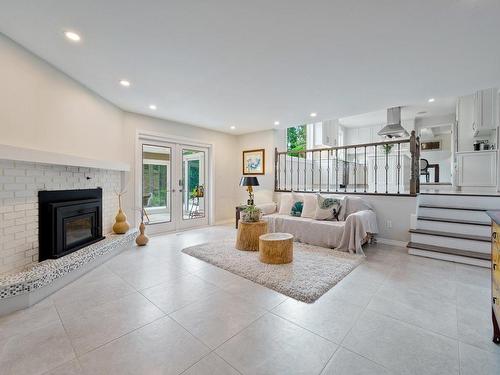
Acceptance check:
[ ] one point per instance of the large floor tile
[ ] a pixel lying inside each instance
(328, 317)
(471, 296)
(148, 275)
(217, 276)
(175, 294)
(35, 352)
(69, 368)
(345, 362)
(475, 328)
(255, 293)
(24, 321)
(401, 347)
(354, 290)
(162, 347)
(96, 326)
(218, 317)
(211, 365)
(475, 361)
(415, 308)
(472, 275)
(272, 345)
(95, 288)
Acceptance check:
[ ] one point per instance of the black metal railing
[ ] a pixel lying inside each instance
(387, 167)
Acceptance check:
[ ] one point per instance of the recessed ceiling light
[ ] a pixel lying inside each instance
(421, 113)
(431, 100)
(71, 35)
(276, 123)
(232, 127)
(313, 114)
(152, 106)
(125, 83)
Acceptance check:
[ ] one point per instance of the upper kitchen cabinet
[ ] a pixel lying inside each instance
(485, 114)
(326, 133)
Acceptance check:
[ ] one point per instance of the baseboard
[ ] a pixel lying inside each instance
(224, 222)
(388, 241)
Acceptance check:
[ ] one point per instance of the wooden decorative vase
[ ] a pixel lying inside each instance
(141, 239)
(121, 225)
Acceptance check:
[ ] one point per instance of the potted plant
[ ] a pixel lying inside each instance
(251, 214)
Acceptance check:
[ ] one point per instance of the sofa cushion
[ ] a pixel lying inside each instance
(310, 205)
(286, 204)
(328, 208)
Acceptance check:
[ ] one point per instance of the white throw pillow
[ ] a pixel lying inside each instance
(267, 208)
(329, 208)
(286, 203)
(310, 204)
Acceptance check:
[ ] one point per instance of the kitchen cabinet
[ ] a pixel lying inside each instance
(485, 112)
(477, 168)
(326, 133)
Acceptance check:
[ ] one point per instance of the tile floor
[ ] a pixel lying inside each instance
(155, 310)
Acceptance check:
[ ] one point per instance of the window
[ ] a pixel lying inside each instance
(296, 139)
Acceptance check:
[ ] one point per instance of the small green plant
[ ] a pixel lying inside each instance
(251, 214)
(387, 148)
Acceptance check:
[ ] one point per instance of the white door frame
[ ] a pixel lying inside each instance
(144, 136)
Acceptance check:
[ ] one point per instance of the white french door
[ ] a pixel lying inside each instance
(174, 185)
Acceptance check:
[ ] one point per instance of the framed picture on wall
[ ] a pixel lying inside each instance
(254, 161)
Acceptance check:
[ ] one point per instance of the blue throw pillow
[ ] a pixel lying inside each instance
(297, 209)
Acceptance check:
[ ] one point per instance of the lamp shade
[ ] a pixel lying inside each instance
(249, 181)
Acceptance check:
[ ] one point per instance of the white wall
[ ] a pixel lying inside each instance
(268, 141)
(42, 108)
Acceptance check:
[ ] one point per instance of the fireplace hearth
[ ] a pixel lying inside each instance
(68, 220)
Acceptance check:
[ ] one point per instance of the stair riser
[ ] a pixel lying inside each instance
(441, 213)
(460, 201)
(450, 257)
(454, 243)
(477, 230)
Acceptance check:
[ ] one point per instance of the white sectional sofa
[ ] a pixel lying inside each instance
(345, 235)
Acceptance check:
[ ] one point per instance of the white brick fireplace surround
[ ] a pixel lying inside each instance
(19, 185)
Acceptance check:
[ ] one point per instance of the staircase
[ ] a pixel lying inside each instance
(454, 228)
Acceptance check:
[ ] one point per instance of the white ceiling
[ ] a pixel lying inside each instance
(247, 63)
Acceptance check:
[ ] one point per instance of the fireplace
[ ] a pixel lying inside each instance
(68, 221)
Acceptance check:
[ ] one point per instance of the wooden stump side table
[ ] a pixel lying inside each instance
(276, 248)
(248, 235)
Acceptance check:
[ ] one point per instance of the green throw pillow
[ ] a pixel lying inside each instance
(297, 209)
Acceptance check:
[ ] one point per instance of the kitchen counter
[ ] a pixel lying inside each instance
(476, 152)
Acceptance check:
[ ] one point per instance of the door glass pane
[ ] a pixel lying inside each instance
(156, 184)
(194, 184)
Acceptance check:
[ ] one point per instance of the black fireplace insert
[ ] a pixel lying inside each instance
(68, 221)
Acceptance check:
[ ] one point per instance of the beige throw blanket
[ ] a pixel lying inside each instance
(357, 226)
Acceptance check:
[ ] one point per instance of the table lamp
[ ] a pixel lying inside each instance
(249, 182)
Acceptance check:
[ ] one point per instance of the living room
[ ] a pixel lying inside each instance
(224, 188)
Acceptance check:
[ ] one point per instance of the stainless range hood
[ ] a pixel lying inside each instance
(393, 129)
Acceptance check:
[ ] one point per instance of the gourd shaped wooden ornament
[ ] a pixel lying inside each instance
(121, 225)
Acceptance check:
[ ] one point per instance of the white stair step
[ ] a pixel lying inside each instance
(480, 230)
(454, 243)
(450, 257)
(442, 213)
(460, 200)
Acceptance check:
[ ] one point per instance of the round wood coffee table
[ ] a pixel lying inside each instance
(276, 248)
(248, 235)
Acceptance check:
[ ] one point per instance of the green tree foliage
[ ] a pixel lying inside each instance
(296, 137)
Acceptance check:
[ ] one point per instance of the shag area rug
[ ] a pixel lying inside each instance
(313, 272)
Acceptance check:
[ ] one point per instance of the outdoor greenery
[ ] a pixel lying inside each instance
(155, 181)
(296, 138)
